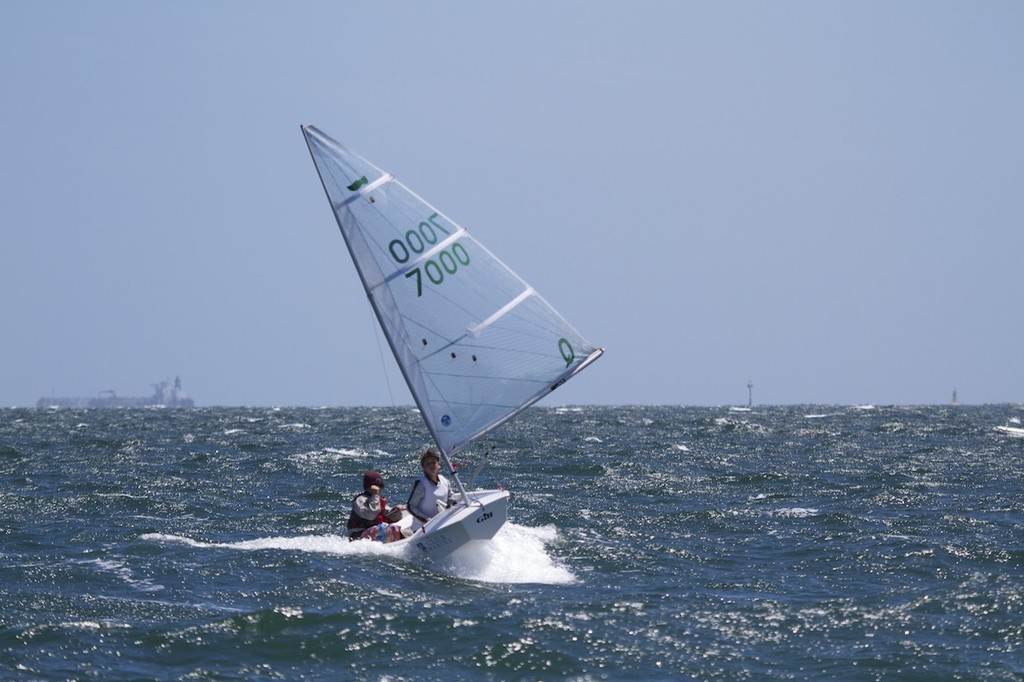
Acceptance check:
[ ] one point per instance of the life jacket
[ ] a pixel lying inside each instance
(358, 523)
(430, 497)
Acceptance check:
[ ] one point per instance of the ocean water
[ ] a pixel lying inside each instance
(675, 543)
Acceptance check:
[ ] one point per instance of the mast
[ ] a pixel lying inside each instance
(370, 295)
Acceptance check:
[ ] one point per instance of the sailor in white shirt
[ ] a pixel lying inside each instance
(431, 492)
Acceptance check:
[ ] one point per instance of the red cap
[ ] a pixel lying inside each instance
(372, 478)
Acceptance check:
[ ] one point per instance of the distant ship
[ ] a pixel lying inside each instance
(164, 395)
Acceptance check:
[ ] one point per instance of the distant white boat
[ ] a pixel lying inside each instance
(1012, 431)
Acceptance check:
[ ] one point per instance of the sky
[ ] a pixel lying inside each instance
(823, 199)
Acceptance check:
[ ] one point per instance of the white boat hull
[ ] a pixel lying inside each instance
(462, 525)
(1014, 431)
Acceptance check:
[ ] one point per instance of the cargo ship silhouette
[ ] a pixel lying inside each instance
(164, 395)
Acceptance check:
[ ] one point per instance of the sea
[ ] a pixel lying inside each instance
(643, 543)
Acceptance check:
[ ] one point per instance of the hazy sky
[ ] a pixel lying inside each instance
(824, 198)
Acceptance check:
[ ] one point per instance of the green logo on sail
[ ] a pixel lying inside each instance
(567, 352)
(357, 184)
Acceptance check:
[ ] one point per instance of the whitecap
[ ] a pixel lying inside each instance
(796, 512)
(123, 572)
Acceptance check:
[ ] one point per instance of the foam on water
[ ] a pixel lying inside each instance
(517, 554)
(323, 544)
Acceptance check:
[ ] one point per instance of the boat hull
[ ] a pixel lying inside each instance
(461, 526)
(1012, 431)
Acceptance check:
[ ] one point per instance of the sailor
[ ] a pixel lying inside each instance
(431, 492)
(369, 508)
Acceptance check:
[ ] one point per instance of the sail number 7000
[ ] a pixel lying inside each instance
(419, 240)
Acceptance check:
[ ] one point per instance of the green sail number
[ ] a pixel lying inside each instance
(418, 240)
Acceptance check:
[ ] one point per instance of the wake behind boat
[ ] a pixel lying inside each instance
(475, 343)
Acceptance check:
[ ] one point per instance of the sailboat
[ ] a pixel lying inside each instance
(475, 343)
(1012, 428)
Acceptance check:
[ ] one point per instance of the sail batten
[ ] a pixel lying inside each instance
(475, 329)
(475, 343)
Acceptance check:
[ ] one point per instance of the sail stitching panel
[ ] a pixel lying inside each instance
(474, 330)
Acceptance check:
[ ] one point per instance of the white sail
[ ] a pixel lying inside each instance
(475, 343)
